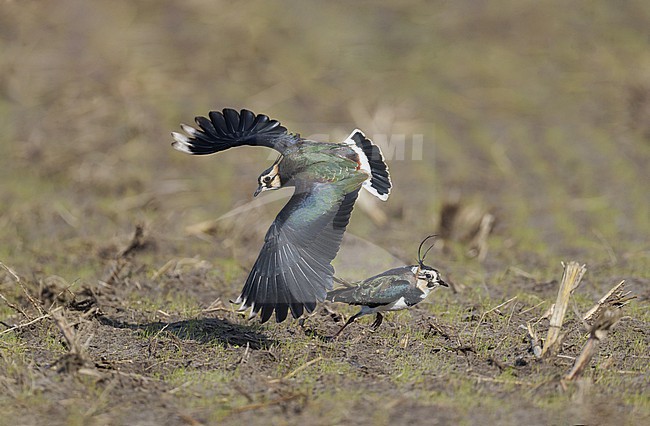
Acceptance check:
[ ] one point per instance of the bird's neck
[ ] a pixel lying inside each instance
(422, 286)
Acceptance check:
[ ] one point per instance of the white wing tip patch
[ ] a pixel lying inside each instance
(181, 143)
(368, 187)
(189, 130)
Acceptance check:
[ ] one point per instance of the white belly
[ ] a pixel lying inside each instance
(397, 305)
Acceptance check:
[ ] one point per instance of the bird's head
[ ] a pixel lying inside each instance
(427, 277)
(269, 179)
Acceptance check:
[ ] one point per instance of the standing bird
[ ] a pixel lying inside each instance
(293, 270)
(393, 290)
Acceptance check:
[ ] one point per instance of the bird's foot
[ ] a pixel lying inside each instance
(375, 325)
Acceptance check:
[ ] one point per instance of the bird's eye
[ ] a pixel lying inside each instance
(267, 179)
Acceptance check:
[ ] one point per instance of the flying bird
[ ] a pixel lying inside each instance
(393, 290)
(293, 270)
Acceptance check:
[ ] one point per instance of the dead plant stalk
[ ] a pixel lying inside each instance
(599, 331)
(573, 273)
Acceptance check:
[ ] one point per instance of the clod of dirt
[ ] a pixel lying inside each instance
(467, 222)
(83, 301)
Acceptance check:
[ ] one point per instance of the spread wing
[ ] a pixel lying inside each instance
(378, 291)
(228, 129)
(293, 270)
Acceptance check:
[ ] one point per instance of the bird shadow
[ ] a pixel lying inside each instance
(202, 330)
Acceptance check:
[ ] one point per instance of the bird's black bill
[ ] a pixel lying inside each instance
(442, 283)
(257, 191)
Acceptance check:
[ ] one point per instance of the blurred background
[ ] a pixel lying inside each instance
(536, 112)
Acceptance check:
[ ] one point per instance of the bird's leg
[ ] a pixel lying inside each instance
(348, 322)
(375, 325)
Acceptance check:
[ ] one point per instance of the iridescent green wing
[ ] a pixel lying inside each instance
(293, 270)
(377, 291)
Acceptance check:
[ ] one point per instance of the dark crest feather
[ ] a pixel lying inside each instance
(420, 256)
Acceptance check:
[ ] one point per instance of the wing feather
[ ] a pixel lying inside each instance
(228, 128)
(294, 263)
(372, 292)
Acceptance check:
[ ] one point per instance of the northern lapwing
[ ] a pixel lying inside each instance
(293, 270)
(393, 290)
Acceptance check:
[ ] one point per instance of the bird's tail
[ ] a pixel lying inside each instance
(372, 161)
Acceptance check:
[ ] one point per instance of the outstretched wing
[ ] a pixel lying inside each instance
(374, 292)
(228, 129)
(293, 270)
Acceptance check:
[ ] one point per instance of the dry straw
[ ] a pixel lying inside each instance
(573, 273)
